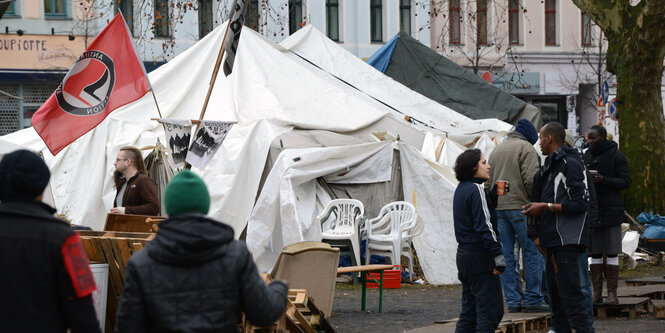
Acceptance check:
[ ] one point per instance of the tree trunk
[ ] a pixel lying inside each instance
(641, 125)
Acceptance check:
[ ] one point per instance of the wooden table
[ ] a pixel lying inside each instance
(364, 270)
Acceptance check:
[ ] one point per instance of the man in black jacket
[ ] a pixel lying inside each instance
(194, 277)
(45, 281)
(560, 199)
(610, 176)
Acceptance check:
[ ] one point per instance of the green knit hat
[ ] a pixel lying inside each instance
(186, 193)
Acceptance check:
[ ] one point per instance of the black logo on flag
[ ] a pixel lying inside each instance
(86, 88)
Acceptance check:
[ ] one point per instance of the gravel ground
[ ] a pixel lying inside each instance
(415, 306)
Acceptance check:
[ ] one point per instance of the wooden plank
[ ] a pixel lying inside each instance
(659, 308)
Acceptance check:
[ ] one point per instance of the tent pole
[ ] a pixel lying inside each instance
(220, 55)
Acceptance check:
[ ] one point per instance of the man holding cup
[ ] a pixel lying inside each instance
(514, 164)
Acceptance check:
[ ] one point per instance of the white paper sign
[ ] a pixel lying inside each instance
(208, 139)
(178, 134)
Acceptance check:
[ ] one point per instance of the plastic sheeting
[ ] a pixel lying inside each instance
(426, 71)
(381, 58)
(286, 209)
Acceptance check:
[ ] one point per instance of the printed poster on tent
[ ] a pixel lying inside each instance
(178, 134)
(207, 141)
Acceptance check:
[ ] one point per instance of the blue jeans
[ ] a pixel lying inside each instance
(585, 284)
(512, 223)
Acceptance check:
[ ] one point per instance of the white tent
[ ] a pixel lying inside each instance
(317, 48)
(271, 92)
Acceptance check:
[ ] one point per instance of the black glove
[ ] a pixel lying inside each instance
(500, 263)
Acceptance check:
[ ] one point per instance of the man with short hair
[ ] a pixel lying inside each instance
(136, 192)
(610, 177)
(560, 200)
(516, 161)
(45, 281)
(194, 277)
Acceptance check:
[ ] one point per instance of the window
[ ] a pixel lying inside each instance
(405, 16)
(11, 10)
(550, 22)
(376, 20)
(54, 8)
(481, 21)
(514, 21)
(295, 15)
(205, 17)
(332, 19)
(586, 30)
(455, 18)
(161, 24)
(126, 7)
(252, 20)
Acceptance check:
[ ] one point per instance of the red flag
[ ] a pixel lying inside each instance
(108, 75)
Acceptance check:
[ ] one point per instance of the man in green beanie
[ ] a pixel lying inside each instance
(194, 277)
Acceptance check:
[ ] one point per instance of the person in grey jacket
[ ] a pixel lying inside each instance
(560, 199)
(516, 161)
(194, 277)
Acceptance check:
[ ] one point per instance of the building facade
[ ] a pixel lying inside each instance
(548, 53)
(41, 39)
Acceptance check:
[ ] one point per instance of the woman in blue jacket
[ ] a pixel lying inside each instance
(479, 256)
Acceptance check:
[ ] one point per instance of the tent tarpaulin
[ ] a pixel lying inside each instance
(270, 93)
(426, 71)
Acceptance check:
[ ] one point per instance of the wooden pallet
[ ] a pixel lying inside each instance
(115, 249)
(646, 281)
(511, 323)
(653, 291)
(659, 308)
(632, 304)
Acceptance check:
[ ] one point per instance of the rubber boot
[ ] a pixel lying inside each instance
(597, 282)
(612, 276)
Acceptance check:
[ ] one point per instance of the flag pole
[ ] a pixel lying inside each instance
(211, 85)
(155, 99)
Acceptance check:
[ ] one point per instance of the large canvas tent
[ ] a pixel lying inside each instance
(270, 93)
(426, 71)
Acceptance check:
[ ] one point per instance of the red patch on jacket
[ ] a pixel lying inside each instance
(76, 264)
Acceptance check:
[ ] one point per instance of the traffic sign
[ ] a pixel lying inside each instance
(601, 109)
(612, 109)
(605, 92)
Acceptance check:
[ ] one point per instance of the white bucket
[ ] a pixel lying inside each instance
(100, 272)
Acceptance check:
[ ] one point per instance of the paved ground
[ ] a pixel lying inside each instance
(421, 306)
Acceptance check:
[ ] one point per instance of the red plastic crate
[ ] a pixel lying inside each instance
(392, 278)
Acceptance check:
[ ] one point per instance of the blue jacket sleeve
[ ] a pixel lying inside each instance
(482, 223)
(577, 199)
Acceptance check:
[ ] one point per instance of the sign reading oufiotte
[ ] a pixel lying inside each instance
(42, 52)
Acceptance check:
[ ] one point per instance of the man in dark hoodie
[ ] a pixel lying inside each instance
(194, 277)
(516, 161)
(45, 280)
(610, 177)
(560, 199)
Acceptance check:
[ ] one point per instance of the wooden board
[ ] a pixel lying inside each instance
(115, 249)
(131, 223)
(659, 308)
(631, 304)
(645, 281)
(518, 322)
(653, 291)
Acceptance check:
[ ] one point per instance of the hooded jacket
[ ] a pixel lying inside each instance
(613, 166)
(562, 180)
(516, 161)
(194, 277)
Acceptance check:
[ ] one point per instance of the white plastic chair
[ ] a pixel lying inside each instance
(407, 239)
(343, 229)
(399, 216)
